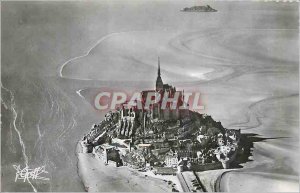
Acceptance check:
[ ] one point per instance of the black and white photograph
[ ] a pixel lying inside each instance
(150, 96)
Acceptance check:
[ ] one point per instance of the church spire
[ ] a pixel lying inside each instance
(158, 71)
(159, 82)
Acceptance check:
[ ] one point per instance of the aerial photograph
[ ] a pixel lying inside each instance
(149, 96)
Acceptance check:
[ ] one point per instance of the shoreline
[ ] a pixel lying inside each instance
(77, 165)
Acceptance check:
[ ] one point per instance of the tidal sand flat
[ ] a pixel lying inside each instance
(98, 177)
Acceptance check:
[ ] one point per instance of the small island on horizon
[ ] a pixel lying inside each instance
(206, 8)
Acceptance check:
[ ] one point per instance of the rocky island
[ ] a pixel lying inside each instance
(206, 8)
(165, 141)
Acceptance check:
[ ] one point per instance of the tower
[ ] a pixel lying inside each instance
(159, 82)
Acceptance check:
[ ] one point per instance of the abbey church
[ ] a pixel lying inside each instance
(161, 109)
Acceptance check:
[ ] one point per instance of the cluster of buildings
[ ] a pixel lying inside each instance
(164, 140)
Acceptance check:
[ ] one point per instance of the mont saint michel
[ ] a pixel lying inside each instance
(162, 141)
